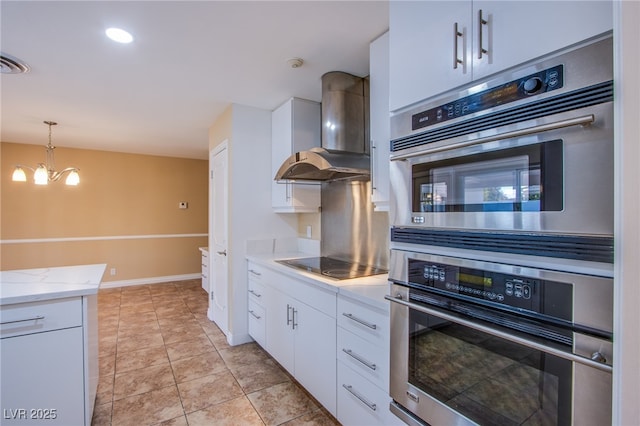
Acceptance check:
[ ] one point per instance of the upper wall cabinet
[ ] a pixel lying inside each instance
(379, 121)
(295, 126)
(438, 45)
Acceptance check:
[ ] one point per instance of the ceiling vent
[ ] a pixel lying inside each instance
(11, 65)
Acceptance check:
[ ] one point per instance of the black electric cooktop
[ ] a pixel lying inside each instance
(333, 268)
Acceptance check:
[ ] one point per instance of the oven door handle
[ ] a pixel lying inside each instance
(497, 333)
(577, 121)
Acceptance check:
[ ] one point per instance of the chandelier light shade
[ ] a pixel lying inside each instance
(46, 172)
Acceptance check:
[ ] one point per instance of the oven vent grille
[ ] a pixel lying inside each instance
(588, 248)
(592, 95)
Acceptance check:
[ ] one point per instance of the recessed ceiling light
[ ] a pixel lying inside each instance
(119, 35)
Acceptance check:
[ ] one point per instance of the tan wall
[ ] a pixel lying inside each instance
(124, 213)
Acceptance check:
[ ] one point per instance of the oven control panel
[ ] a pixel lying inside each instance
(518, 292)
(533, 84)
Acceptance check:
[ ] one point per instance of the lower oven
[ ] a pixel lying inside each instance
(486, 343)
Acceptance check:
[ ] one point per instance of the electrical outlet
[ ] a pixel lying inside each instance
(112, 271)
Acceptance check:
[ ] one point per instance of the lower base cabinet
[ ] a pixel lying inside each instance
(299, 330)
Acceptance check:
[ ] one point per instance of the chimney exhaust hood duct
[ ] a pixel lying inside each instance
(345, 148)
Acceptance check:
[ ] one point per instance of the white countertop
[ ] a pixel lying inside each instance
(370, 290)
(30, 285)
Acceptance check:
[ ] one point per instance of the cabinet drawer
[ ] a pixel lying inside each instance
(257, 323)
(364, 357)
(367, 322)
(36, 317)
(256, 291)
(360, 403)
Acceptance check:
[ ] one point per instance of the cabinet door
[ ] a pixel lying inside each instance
(315, 354)
(423, 47)
(380, 122)
(279, 331)
(518, 31)
(43, 372)
(295, 126)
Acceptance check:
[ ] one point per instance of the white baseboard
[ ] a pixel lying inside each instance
(150, 280)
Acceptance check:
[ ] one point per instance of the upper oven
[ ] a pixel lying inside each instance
(529, 150)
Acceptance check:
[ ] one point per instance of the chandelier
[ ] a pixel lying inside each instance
(46, 172)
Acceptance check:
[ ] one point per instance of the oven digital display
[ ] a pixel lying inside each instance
(475, 280)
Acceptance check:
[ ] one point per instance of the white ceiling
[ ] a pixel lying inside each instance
(188, 62)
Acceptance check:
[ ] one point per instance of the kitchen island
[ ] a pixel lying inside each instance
(49, 344)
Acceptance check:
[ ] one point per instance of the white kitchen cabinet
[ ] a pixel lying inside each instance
(379, 121)
(439, 45)
(257, 310)
(205, 268)
(300, 329)
(295, 126)
(49, 361)
(363, 364)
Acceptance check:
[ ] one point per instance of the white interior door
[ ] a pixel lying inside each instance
(218, 237)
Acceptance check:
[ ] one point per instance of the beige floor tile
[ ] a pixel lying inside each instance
(263, 375)
(148, 408)
(105, 390)
(281, 403)
(316, 418)
(106, 365)
(142, 380)
(189, 348)
(219, 340)
(139, 341)
(141, 328)
(172, 311)
(128, 319)
(230, 413)
(181, 321)
(102, 415)
(134, 300)
(141, 358)
(136, 308)
(197, 366)
(209, 390)
(178, 334)
(178, 421)
(107, 344)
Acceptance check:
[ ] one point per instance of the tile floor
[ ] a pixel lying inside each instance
(162, 362)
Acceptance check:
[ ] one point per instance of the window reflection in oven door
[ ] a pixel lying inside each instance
(446, 372)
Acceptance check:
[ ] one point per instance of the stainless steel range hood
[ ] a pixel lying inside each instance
(345, 148)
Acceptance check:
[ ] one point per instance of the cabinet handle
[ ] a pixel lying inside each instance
(288, 192)
(359, 358)
(361, 321)
(254, 315)
(373, 163)
(288, 316)
(222, 253)
(456, 61)
(255, 294)
(481, 22)
(362, 399)
(295, 323)
(36, 318)
(255, 272)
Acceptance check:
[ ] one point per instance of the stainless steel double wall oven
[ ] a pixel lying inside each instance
(502, 247)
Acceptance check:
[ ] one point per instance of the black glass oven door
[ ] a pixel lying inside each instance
(525, 178)
(485, 378)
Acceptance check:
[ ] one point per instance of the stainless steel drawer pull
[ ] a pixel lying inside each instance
(255, 272)
(36, 318)
(254, 315)
(361, 321)
(359, 358)
(255, 294)
(362, 399)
